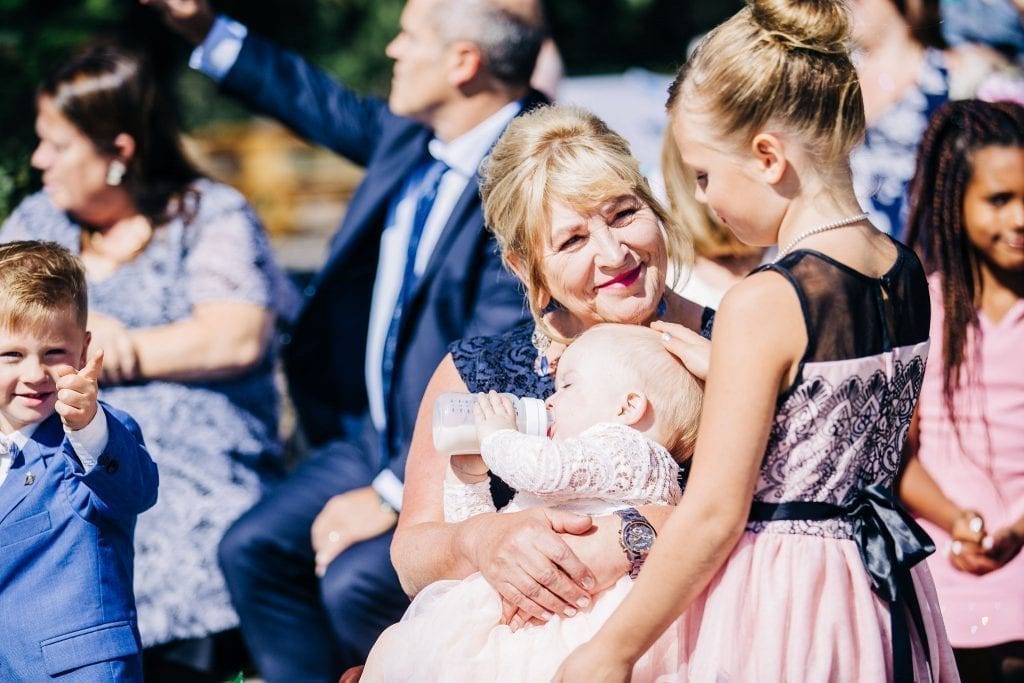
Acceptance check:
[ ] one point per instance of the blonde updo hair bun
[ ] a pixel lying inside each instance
(781, 64)
(820, 25)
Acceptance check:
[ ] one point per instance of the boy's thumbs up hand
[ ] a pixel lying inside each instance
(77, 392)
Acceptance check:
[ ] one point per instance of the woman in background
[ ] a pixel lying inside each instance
(906, 72)
(184, 295)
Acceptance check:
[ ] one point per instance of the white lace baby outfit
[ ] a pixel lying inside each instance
(451, 631)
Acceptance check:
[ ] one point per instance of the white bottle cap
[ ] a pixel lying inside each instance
(535, 417)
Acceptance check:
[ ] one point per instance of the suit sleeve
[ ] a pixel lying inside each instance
(285, 86)
(123, 483)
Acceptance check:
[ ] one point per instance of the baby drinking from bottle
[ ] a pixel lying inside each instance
(623, 417)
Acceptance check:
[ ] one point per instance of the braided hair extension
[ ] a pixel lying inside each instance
(936, 228)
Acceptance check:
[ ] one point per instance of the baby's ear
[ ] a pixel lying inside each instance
(633, 407)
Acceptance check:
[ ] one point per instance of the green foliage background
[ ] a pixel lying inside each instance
(345, 37)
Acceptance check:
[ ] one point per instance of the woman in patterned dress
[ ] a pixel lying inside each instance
(906, 72)
(184, 295)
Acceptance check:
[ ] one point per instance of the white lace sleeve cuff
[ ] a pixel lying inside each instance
(462, 501)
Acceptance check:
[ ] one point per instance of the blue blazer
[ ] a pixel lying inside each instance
(464, 291)
(66, 556)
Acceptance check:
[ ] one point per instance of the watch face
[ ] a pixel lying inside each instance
(638, 536)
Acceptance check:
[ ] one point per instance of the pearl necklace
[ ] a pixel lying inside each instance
(841, 223)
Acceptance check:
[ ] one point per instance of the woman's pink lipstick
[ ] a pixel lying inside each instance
(625, 278)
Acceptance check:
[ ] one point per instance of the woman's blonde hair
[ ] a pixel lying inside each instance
(711, 238)
(568, 154)
(778, 63)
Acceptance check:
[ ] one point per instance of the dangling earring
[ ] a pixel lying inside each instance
(115, 172)
(541, 342)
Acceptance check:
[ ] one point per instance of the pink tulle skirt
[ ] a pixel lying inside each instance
(785, 607)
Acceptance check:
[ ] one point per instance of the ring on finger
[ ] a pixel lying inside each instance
(333, 536)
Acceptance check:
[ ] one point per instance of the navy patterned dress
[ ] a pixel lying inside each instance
(884, 163)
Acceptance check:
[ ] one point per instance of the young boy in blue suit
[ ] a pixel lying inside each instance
(74, 473)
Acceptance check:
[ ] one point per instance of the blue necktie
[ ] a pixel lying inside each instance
(426, 194)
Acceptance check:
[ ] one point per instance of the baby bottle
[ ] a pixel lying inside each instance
(455, 429)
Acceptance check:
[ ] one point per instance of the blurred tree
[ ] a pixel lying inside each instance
(345, 37)
(608, 36)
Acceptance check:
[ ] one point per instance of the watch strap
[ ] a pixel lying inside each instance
(632, 516)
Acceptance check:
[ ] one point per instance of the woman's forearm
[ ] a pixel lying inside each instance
(428, 552)
(658, 595)
(219, 341)
(424, 546)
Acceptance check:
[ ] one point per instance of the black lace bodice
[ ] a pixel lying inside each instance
(842, 425)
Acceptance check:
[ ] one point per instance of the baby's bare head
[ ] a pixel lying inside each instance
(637, 354)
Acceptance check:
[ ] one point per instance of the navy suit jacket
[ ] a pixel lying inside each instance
(66, 555)
(464, 291)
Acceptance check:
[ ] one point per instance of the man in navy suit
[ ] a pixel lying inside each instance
(403, 278)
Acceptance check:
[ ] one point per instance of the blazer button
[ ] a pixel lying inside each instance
(111, 467)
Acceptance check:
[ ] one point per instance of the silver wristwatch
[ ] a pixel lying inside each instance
(636, 537)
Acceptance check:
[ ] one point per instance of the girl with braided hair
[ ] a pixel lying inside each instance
(965, 469)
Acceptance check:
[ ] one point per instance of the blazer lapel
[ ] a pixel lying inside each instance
(369, 205)
(468, 202)
(28, 467)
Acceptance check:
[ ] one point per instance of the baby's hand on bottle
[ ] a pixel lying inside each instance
(493, 412)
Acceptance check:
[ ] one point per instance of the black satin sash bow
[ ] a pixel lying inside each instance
(890, 543)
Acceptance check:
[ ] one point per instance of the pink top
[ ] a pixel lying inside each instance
(989, 477)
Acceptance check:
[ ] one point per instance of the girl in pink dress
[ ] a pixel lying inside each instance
(788, 557)
(965, 472)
